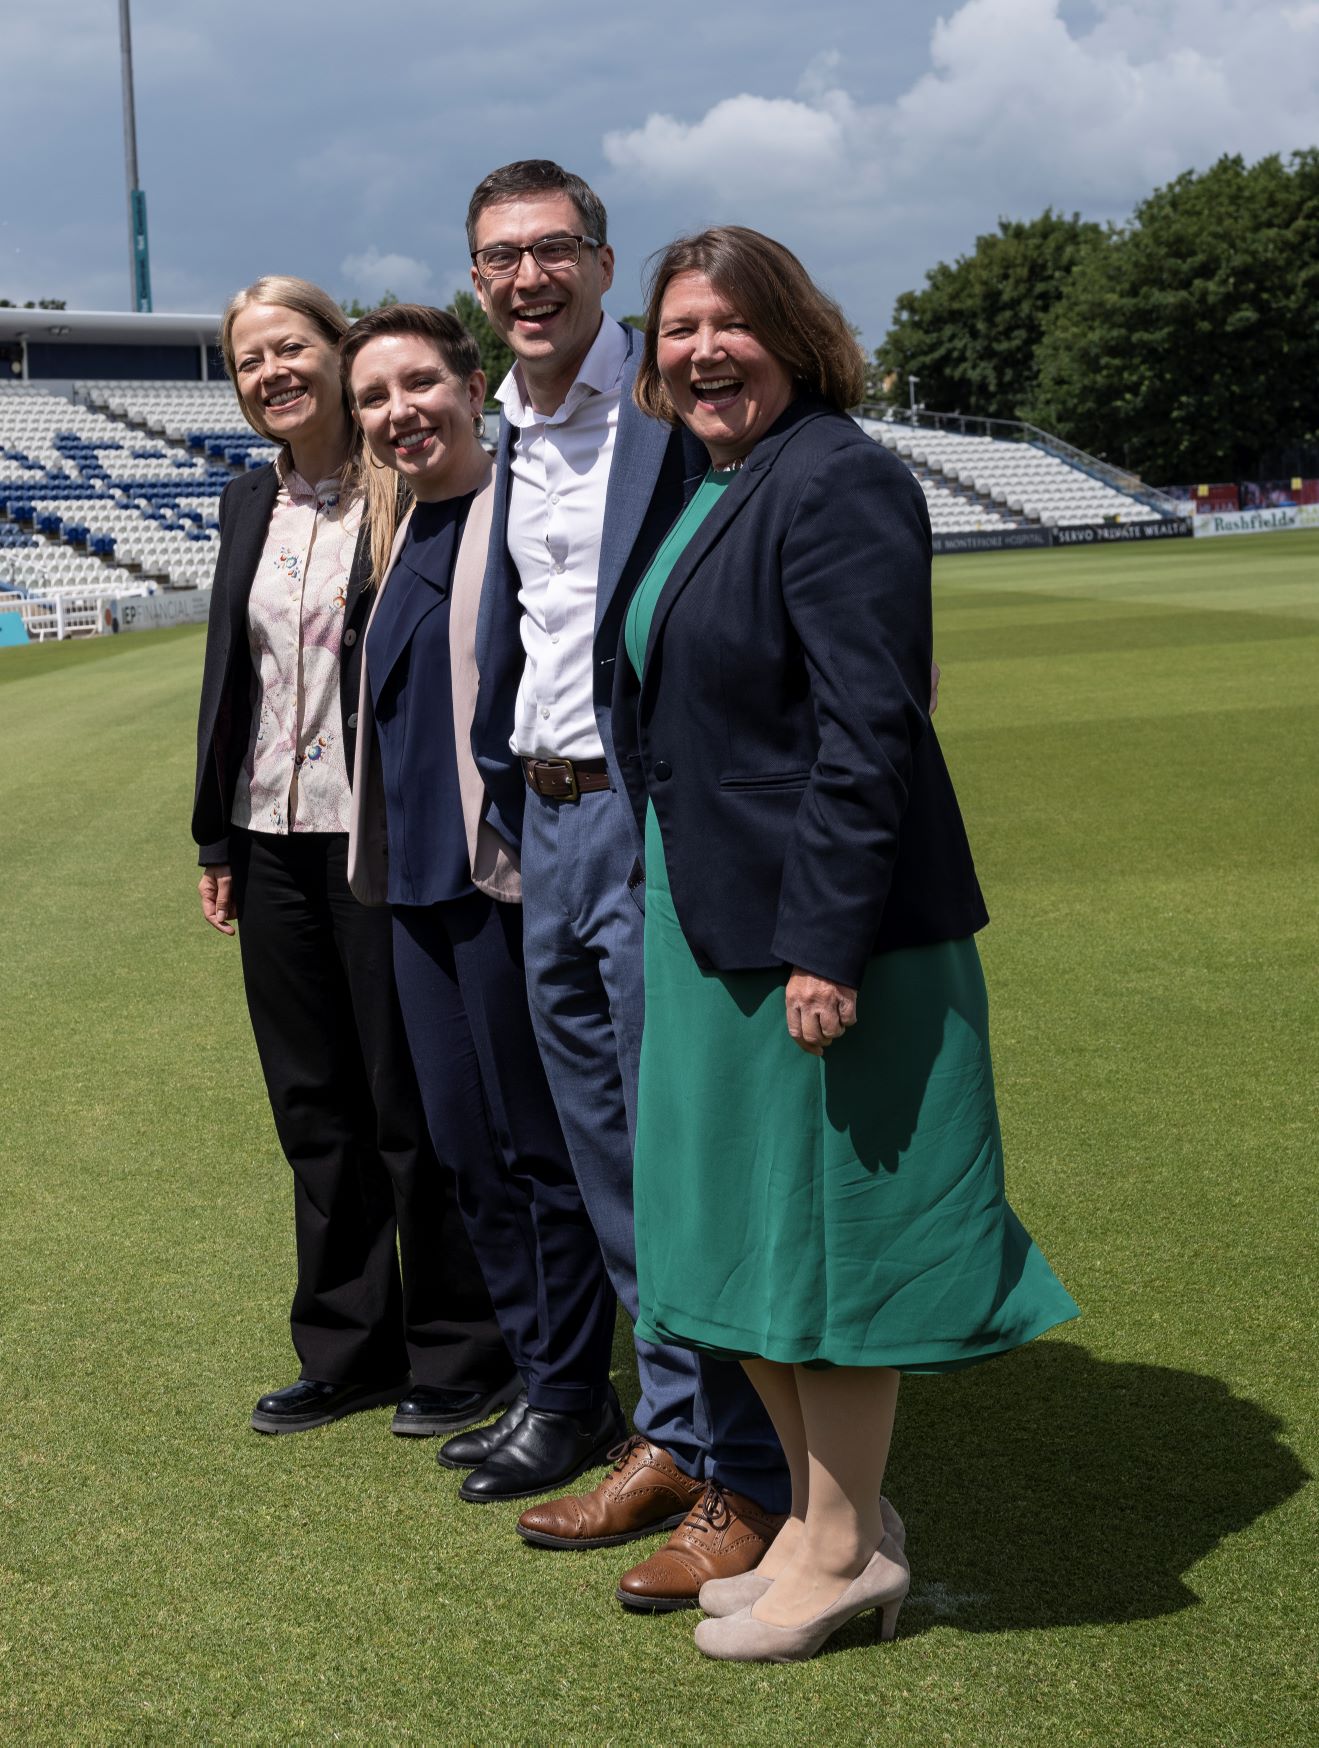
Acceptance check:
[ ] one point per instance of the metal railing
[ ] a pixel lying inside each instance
(51, 618)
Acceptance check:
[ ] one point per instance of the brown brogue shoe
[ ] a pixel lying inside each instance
(723, 1535)
(644, 1493)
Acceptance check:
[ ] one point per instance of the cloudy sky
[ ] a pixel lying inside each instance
(340, 140)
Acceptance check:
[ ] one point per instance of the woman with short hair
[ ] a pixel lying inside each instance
(819, 1177)
(271, 808)
(421, 842)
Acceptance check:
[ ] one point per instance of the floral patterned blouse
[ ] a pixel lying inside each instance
(294, 778)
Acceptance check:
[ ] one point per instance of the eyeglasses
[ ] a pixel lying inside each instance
(551, 253)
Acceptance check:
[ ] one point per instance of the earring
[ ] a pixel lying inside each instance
(478, 424)
(380, 466)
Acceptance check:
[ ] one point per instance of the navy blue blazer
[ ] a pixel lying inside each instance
(654, 467)
(782, 727)
(408, 670)
(224, 719)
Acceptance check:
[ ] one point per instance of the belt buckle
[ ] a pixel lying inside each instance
(572, 793)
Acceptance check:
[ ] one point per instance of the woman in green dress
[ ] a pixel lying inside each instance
(819, 1171)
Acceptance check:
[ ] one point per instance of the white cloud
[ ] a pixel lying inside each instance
(1017, 110)
(370, 274)
(760, 140)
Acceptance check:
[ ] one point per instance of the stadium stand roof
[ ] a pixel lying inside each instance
(61, 345)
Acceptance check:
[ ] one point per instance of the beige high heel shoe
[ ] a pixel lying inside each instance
(721, 1597)
(740, 1638)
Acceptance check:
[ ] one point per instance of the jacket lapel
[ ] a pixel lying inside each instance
(639, 447)
(494, 869)
(731, 504)
(501, 581)
(368, 836)
(248, 540)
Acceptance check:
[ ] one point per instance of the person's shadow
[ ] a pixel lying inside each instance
(1050, 1488)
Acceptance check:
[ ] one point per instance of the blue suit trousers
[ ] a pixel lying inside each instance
(583, 945)
(492, 1120)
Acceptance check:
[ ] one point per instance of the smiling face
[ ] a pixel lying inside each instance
(724, 385)
(287, 373)
(549, 318)
(417, 416)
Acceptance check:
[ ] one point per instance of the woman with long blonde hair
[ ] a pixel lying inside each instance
(271, 807)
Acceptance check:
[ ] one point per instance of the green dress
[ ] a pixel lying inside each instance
(843, 1210)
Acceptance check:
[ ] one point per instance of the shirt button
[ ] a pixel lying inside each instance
(554, 637)
(558, 570)
(349, 638)
(544, 712)
(352, 721)
(554, 497)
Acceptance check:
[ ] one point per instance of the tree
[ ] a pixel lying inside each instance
(1186, 346)
(353, 308)
(971, 334)
(496, 357)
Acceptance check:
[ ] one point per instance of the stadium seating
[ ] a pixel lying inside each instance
(116, 490)
(1010, 484)
(98, 501)
(204, 416)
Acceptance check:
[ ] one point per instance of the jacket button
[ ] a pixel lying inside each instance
(349, 638)
(352, 721)
(663, 770)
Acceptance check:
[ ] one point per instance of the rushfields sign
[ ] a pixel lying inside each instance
(1259, 521)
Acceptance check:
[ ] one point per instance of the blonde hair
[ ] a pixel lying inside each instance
(285, 291)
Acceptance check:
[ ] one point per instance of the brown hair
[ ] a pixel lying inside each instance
(529, 177)
(461, 355)
(285, 291)
(786, 310)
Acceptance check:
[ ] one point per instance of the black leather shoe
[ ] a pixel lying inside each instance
(542, 1452)
(428, 1409)
(307, 1403)
(471, 1448)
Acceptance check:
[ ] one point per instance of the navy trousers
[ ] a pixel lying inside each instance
(584, 974)
(492, 1120)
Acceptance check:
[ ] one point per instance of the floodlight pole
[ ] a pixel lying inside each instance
(139, 259)
(911, 380)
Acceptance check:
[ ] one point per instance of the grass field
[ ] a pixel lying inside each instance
(1112, 1541)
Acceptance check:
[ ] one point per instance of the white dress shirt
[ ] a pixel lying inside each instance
(556, 513)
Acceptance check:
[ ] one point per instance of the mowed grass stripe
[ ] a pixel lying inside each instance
(1110, 1538)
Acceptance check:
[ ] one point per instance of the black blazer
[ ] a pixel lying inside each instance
(224, 723)
(782, 730)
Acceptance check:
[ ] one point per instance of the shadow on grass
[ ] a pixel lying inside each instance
(1055, 1489)
(1050, 1488)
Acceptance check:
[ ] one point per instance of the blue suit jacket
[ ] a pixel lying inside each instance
(654, 468)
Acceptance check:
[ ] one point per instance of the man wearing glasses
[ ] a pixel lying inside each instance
(586, 487)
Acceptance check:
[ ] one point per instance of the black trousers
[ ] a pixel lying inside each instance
(463, 990)
(317, 968)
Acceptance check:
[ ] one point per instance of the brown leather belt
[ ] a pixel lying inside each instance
(565, 779)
